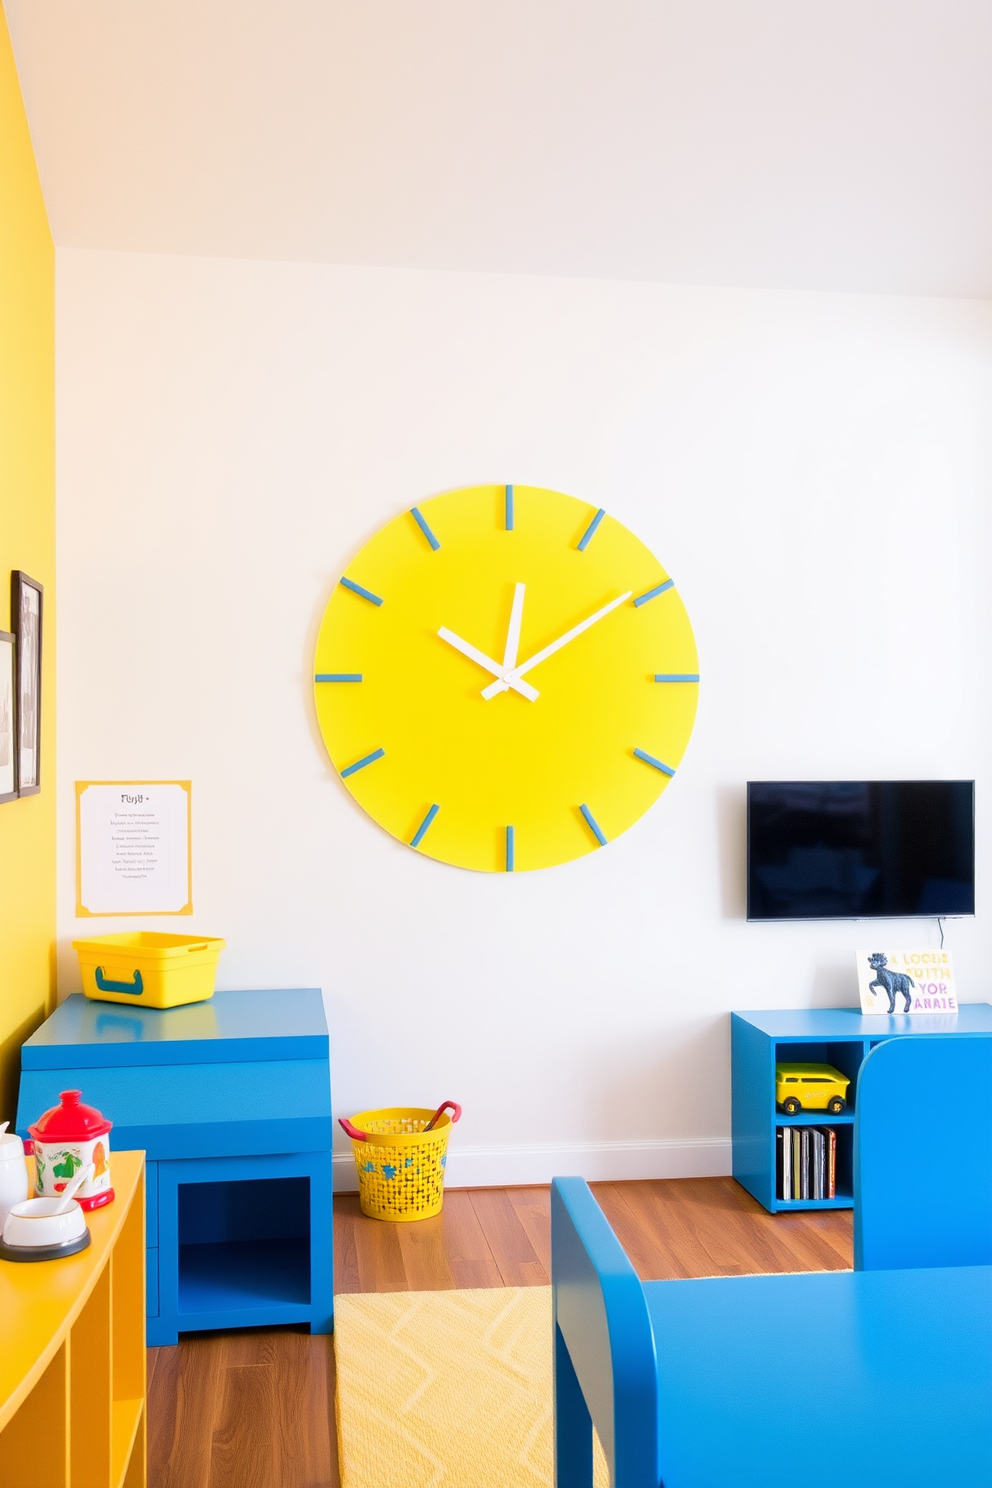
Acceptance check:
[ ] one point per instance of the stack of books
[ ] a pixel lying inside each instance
(806, 1162)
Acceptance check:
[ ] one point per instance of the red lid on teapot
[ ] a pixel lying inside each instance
(70, 1122)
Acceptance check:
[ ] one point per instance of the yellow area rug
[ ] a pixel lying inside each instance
(446, 1389)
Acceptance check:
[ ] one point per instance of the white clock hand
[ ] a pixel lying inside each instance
(512, 678)
(513, 629)
(481, 659)
(512, 643)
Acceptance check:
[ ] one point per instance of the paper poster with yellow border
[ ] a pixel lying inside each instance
(134, 852)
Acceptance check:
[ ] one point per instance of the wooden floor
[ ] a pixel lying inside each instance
(256, 1410)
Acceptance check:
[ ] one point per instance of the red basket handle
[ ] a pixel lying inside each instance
(353, 1132)
(445, 1106)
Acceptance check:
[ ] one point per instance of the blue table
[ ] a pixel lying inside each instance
(870, 1379)
(877, 1378)
(231, 1101)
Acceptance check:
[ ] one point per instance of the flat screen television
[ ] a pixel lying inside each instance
(860, 849)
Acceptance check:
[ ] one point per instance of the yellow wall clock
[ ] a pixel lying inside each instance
(505, 678)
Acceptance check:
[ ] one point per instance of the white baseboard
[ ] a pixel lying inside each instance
(498, 1167)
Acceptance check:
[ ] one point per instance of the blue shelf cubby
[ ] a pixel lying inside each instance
(231, 1101)
(842, 1037)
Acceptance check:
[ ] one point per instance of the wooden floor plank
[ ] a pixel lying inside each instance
(533, 1209)
(243, 1446)
(379, 1258)
(469, 1251)
(182, 1406)
(518, 1262)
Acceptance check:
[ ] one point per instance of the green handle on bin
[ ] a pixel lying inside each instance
(105, 985)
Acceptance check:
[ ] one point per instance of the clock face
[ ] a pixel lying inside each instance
(505, 678)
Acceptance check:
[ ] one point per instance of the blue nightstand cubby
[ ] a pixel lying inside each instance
(231, 1101)
(838, 1036)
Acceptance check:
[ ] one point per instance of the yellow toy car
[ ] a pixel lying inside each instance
(810, 1087)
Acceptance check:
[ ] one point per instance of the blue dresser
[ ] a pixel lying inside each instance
(231, 1101)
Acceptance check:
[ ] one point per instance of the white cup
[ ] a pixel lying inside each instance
(13, 1172)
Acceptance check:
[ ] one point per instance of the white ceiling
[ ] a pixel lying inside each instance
(831, 144)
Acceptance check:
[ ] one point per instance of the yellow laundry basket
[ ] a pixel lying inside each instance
(149, 968)
(400, 1153)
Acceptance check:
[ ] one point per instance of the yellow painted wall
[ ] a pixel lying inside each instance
(27, 541)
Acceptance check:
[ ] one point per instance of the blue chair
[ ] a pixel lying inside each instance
(923, 1154)
(876, 1378)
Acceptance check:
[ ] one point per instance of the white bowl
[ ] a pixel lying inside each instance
(34, 1222)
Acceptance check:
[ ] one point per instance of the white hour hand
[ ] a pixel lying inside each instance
(481, 659)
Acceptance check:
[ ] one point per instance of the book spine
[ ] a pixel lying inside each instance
(831, 1164)
(780, 1164)
(804, 1168)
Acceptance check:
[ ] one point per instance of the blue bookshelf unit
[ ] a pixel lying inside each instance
(838, 1036)
(231, 1101)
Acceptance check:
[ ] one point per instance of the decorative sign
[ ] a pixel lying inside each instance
(133, 847)
(906, 982)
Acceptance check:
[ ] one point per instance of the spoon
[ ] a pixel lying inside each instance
(68, 1193)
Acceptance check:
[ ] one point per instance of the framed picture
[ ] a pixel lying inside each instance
(8, 759)
(25, 617)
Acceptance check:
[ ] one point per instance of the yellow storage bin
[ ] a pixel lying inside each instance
(149, 968)
(401, 1163)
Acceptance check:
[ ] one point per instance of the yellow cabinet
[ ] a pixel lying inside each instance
(72, 1354)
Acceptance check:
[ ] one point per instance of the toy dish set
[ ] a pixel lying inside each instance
(149, 968)
(68, 1139)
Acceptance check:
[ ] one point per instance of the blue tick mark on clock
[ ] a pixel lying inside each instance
(590, 531)
(676, 676)
(424, 528)
(369, 759)
(509, 850)
(649, 759)
(338, 677)
(418, 835)
(653, 593)
(593, 825)
(508, 508)
(362, 593)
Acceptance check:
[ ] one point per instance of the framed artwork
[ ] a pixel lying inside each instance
(25, 617)
(8, 759)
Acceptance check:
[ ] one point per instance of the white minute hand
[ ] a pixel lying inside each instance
(532, 661)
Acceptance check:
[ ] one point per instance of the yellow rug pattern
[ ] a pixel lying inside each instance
(446, 1389)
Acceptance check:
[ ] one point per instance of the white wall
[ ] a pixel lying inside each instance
(813, 469)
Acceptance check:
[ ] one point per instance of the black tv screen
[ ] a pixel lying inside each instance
(860, 849)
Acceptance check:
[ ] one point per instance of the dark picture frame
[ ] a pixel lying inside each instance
(26, 611)
(8, 717)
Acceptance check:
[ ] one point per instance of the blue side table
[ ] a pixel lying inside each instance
(231, 1101)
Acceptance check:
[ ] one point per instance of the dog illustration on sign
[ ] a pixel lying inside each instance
(895, 983)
